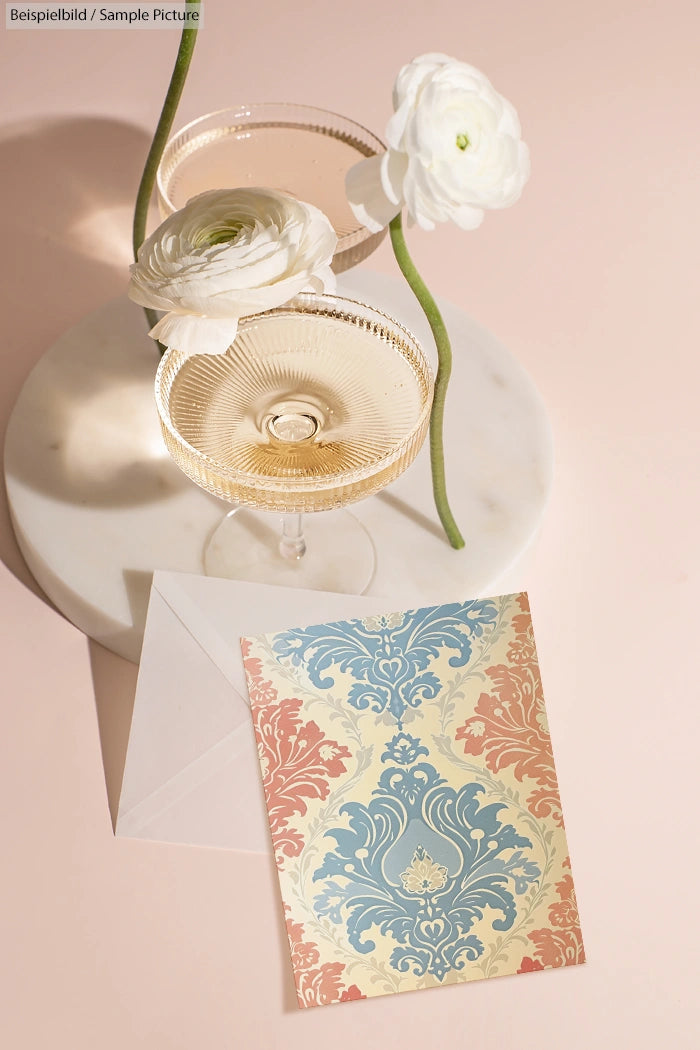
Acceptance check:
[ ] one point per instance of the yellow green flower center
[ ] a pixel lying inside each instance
(221, 234)
(462, 141)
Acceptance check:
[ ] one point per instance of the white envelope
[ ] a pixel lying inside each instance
(191, 772)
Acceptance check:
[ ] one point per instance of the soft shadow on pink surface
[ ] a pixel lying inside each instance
(69, 187)
(114, 680)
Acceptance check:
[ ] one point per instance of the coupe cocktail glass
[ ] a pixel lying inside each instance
(315, 405)
(298, 150)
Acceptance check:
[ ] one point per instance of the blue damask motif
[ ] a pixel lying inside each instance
(404, 749)
(388, 656)
(426, 898)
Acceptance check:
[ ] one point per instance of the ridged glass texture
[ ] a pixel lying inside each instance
(315, 405)
(299, 150)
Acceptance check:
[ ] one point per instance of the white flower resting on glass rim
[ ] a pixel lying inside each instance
(454, 150)
(229, 254)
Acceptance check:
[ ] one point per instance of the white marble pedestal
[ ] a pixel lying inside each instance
(97, 504)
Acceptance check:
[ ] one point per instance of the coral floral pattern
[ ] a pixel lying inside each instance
(509, 724)
(297, 760)
(316, 985)
(560, 944)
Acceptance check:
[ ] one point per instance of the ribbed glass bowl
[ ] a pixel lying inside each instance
(315, 405)
(300, 150)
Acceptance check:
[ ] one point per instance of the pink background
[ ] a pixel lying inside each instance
(592, 282)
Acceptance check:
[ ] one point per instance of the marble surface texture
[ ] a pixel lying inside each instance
(97, 504)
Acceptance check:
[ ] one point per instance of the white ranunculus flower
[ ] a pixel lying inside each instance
(228, 254)
(454, 150)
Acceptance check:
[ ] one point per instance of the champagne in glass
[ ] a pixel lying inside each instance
(315, 405)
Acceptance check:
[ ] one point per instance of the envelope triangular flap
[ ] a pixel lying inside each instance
(184, 706)
(217, 612)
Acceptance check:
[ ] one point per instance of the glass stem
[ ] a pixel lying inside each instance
(292, 543)
(165, 123)
(444, 351)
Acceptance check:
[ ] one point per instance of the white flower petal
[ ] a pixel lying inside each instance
(369, 202)
(396, 128)
(467, 217)
(323, 280)
(393, 171)
(196, 335)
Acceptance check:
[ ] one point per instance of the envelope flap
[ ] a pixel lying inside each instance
(208, 614)
(184, 707)
(217, 612)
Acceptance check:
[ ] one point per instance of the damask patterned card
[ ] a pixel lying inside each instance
(413, 800)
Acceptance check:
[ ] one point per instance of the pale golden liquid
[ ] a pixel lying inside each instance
(304, 412)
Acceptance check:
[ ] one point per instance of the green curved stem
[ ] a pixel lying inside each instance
(165, 123)
(444, 351)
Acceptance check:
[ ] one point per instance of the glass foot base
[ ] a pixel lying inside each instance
(339, 551)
